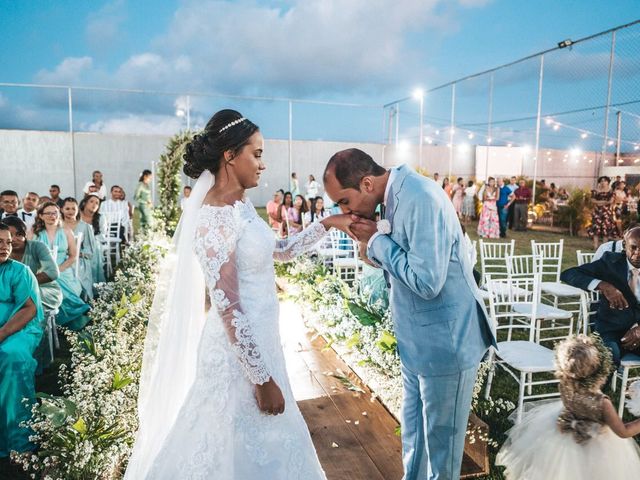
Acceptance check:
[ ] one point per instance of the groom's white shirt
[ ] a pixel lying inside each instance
(392, 175)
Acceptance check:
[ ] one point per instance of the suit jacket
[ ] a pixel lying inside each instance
(612, 268)
(439, 316)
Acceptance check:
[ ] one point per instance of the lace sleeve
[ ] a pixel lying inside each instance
(289, 248)
(215, 244)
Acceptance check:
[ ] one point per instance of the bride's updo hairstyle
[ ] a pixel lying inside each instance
(227, 130)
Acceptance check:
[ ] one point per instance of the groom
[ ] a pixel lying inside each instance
(439, 319)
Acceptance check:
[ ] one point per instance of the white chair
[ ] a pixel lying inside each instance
(493, 258)
(327, 252)
(346, 264)
(522, 358)
(584, 257)
(112, 240)
(76, 265)
(629, 362)
(528, 266)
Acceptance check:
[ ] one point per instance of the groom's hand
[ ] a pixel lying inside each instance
(269, 397)
(363, 228)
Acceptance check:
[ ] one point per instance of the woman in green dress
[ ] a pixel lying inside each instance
(21, 319)
(61, 242)
(142, 198)
(91, 267)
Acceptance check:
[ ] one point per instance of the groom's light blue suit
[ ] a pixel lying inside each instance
(439, 319)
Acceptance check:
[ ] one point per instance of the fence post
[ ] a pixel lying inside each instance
(537, 149)
(489, 139)
(606, 111)
(73, 143)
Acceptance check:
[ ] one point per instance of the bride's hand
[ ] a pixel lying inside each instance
(270, 398)
(340, 221)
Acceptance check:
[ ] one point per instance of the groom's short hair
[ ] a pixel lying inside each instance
(351, 166)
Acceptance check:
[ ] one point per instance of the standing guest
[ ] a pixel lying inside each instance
(54, 191)
(283, 214)
(35, 255)
(317, 212)
(10, 204)
(521, 197)
(312, 187)
(469, 202)
(91, 266)
(632, 204)
(61, 243)
(504, 192)
(98, 183)
(436, 177)
(186, 193)
(295, 215)
(620, 204)
(446, 186)
(272, 211)
(294, 186)
(513, 186)
(116, 211)
(603, 226)
(489, 224)
(614, 185)
(21, 321)
(142, 198)
(458, 196)
(29, 211)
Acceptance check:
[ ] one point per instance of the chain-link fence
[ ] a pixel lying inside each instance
(565, 113)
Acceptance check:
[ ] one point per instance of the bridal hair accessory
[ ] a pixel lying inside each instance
(383, 227)
(633, 402)
(593, 371)
(231, 124)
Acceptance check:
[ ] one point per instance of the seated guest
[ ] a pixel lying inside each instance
(21, 322)
(28, 211)
(35, 255)
(89, 213)
(10, 204)
(186, 193)
(91, 267)
(317, 211)
(295, 214)
(116, 210)
(61, 242)
(617, 277)
(54, 191)
(272, 211)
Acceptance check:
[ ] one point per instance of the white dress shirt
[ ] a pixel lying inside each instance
(392, 175)
(29, 218)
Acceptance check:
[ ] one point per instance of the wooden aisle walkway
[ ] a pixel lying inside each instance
(354, 436)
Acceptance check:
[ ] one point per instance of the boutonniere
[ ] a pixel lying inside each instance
(383, 227)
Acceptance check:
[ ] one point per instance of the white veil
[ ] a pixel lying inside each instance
(175, 327)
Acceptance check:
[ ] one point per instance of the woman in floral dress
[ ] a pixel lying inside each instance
(489, 224)
(603, 225)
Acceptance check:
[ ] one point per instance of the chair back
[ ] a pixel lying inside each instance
(523, 266)
(584, 257)
(346, 263)
(493, 257)
(504, 295)
(551, 258)
(114, 223)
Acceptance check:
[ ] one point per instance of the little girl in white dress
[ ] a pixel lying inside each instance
(580, 437)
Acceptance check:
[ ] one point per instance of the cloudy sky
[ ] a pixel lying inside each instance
(357, 51)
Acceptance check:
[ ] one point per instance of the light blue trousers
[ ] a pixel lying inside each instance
(435, 413)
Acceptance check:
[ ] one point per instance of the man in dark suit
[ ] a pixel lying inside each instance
(617, 277)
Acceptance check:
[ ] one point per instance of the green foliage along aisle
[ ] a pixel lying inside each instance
(88, 433)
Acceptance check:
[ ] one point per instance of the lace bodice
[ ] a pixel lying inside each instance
(236, 249)
(582, 415)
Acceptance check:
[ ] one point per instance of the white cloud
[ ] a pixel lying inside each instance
(138, 124)
(71, 71)
(103, 26)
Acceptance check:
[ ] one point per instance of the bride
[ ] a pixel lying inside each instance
(215, 401)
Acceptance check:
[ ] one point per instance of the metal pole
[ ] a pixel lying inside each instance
(290, 139)
(421, 142)
(188, 112)
(451, 130)
(486, 157)
(619, 132)
(153, 184)
(397, 123)
(536, 152)
(73, 143)
(392, 115)
(606, 111)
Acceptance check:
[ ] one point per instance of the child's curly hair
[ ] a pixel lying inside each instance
(583, 360)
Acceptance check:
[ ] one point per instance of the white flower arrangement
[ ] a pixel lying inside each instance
(633, 402)
(383, 227)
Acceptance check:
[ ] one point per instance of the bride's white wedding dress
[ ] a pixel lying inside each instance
(219, 432)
